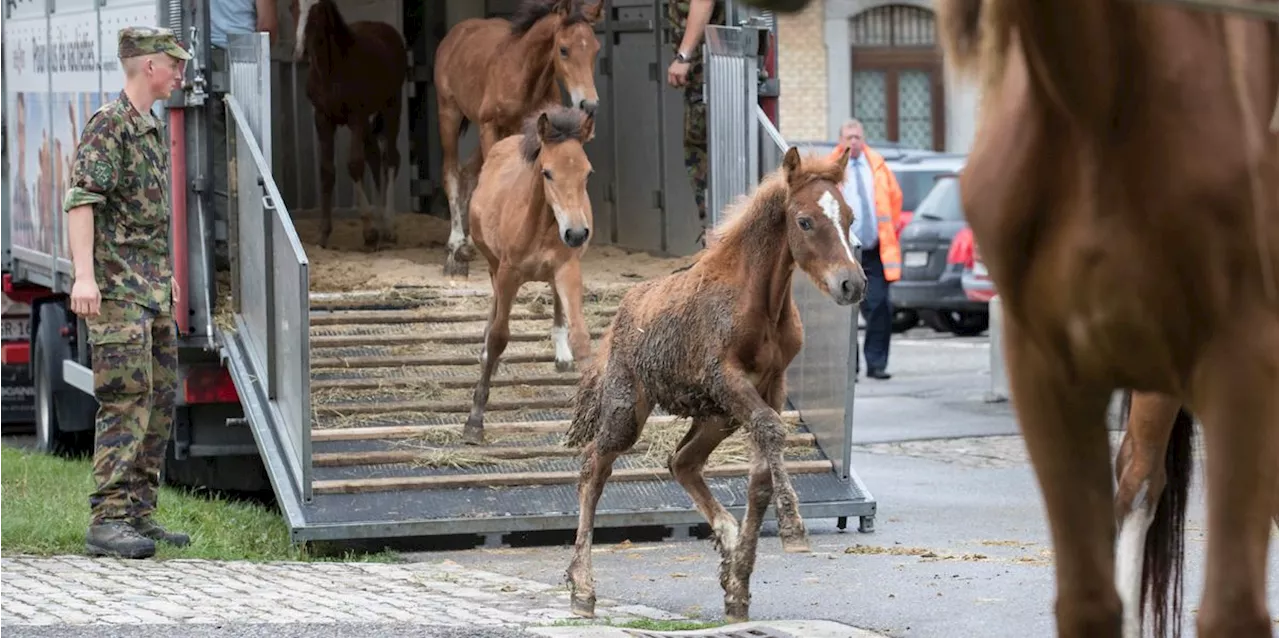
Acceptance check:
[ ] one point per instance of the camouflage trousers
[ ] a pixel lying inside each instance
(695, 143)
(135, 377)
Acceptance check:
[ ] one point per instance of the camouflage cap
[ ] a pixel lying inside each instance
(136, 41)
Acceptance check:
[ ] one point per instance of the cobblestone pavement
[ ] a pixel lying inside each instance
(75, 590)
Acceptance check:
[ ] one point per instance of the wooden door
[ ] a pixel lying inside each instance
(897, 83)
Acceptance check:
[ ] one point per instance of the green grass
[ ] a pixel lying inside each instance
(47, 499)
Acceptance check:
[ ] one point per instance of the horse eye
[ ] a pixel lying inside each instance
(564, 52)
(806, 223)
(546, 173)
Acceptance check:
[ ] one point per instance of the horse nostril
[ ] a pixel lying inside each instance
(588, 107)
(575, 238)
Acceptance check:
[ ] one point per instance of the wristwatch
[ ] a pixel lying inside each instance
(683, 58)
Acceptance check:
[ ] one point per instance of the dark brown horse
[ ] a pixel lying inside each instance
(1122, 186)
(713, 342)
(497, 73)
(356, 79)
(531, 219)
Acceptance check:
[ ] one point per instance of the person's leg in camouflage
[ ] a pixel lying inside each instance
(155, 440)
(120, 337)
(695, 144)
(218, 131)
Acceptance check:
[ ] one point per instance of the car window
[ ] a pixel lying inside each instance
(915, 185)
(942, 202)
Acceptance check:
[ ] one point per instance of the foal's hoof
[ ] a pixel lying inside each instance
(584, 606)
(735, 613)
(795, 544)
(473, 433)
(454, 267)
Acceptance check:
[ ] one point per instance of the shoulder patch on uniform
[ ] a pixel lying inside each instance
(102, 172)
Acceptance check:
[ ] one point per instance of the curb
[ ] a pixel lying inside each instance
(776, 629)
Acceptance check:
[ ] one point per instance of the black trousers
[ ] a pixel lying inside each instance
(877, 311)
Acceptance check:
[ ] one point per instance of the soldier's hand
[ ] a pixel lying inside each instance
(85, 299)
(678, 73)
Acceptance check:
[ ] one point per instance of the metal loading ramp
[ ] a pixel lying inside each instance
(392, 378)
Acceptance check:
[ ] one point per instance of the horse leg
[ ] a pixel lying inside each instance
(573, 342)
(1233, 391)
(624, 410)
(506, 284)
(391, 169)
(356, 170)
(324, 133)
(373, 157)
(450, 121)
(1064, 427)
(737, 597)
(686, 465)
(1150, 459)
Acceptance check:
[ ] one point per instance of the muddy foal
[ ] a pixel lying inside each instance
(713, 342)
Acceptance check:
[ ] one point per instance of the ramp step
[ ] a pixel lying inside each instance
(382, 361)
(408, 298)
(350, 341)
(376, 383)
(495, 429)
(514, 479)
(439, 407)
(392, 457)
(422, 315)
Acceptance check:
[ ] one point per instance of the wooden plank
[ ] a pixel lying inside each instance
(366, 317)
(455, 338)
(389, 407)
(448, 383)
(394, 457)
(496, 429)
(515, 479)
(398, 361)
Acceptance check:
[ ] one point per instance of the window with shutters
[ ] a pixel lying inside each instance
(897, 84)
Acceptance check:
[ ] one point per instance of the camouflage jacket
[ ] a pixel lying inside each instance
(121, 168)
(678, 21)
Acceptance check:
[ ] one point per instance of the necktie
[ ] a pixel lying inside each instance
(866, 220)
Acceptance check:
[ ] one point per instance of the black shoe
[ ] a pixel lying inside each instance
(118, 538)
(878, 374)
(150, 529)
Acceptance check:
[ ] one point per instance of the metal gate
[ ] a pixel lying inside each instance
(731, 56)
(269, 350)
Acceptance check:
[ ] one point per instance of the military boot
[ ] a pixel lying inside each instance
(118, 538)
(151, 529)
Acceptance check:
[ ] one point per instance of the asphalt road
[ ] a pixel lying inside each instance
(960, 548)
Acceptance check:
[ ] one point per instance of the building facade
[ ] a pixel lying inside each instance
(879, 61)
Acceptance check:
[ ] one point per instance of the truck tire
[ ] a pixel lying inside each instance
(64, 415)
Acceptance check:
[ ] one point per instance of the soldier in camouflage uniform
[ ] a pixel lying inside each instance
(118, 210)
(688, 19)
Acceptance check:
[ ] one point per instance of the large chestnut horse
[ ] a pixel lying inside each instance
(1122, 186)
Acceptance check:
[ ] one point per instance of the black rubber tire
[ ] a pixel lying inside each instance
(58, 405)
(965, 324)
(904, 320)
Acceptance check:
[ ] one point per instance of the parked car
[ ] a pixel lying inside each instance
(976, 282)
(937, 248)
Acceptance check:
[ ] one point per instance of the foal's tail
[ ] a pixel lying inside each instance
(1163, 555)
(587, 420)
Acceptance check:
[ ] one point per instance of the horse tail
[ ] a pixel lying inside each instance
(463, 126)
(1162, 559)
(378, 125)
(587, 419)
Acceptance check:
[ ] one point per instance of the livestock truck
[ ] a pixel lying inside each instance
(345, 403)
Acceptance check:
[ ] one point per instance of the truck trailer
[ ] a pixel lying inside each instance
(346, 401)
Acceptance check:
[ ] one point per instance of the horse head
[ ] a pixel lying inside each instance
(312, 29)
(553, 144)
(819, 223)
(573, 46)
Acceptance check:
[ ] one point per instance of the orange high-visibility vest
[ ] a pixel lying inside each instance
(888, 198)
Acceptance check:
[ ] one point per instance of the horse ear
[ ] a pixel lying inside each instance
(544, 126)
(790, 162)
(563, 7)
(594, 12)
(843, 160)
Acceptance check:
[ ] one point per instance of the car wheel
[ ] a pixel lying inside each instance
(904, 320)
(964, 324)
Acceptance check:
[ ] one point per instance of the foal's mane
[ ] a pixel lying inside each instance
(325, 23)
(770, 198)
(565, 124)
(531, 11)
